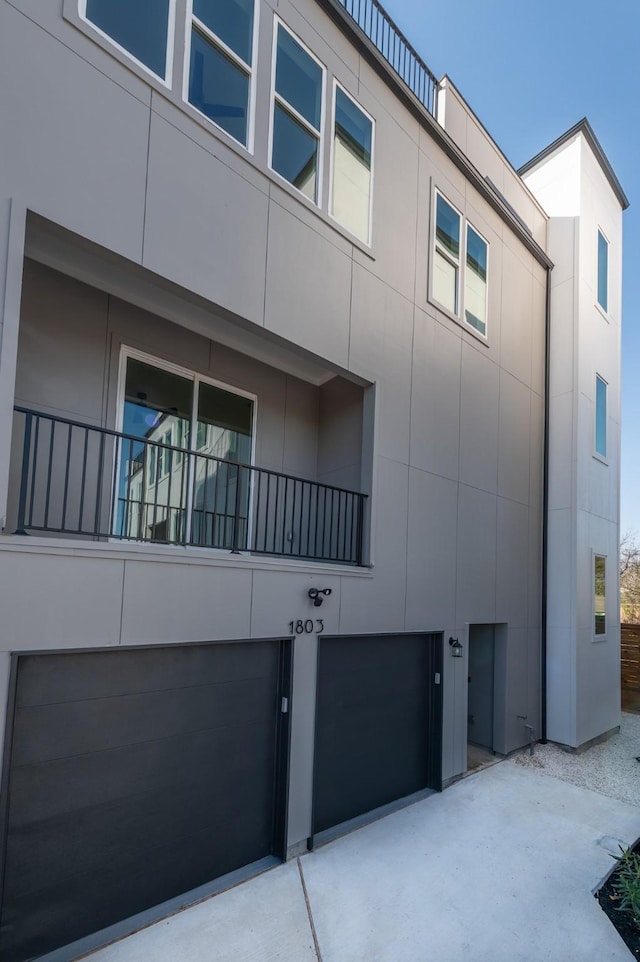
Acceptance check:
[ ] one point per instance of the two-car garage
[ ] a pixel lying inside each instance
(139, 779)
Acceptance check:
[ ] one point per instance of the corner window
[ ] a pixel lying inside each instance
(601, 417)
(599, 594)
(221, 64)
(351, 172)
(603, 272)
(461, 292)
(141, 29)
(297, 114)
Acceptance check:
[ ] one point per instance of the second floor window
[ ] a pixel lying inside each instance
(298, 108)
(601, 417)
(603, 272)
(141, 29)
(221, 64)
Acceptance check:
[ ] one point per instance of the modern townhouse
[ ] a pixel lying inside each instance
(309, 434)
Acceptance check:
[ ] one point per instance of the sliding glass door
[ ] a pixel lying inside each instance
(179, 475)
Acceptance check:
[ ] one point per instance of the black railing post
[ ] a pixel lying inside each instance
(360, 529)
(24, 475)
(236, 515)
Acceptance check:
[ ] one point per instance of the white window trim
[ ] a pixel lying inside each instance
(605, 311)
(459, 317)
(127, 352)
(594, 555)
(250, 70)
(277, 98)
(603, 458)
(167, 80)
(336, 85)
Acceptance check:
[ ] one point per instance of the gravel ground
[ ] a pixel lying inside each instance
(611, 768)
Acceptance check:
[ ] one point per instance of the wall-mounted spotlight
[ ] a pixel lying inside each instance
(318, 595)
(456, 648)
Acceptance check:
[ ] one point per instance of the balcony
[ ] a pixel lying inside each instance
(93, 483)
(377, 26)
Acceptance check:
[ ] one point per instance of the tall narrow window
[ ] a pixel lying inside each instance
(600, 594)
(603, 271)
(446, 262)
(475, 281)
(140, 28)
(352, 161)
(297, 114)
(601, 417)
(220, 67)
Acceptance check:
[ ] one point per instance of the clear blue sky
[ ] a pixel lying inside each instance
(530, 71)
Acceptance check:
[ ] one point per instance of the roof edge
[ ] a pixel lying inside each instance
(582, 127)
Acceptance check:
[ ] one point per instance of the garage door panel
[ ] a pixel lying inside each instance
(102, 833)
(95, 674)
(120, 891)
(71, 784)
(55, 849)
(83, 727)
(378, 726)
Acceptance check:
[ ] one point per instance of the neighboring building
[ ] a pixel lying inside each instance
(273, 395)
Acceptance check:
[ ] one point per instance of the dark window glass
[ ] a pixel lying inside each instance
(353, 128)
(603, 269)
(140, 26)
(295, 153)
(298, 78)
(447, 228)
(218, 87)
(230, 420)
(231, 21)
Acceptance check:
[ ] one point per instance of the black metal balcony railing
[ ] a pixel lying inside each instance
(388, 39)
(96, 483)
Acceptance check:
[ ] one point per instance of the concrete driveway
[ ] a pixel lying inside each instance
(501, 866)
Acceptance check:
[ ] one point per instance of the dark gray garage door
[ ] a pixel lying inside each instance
(137, 775)
(378, 723)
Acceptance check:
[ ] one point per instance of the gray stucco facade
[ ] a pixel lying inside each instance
(130, 222)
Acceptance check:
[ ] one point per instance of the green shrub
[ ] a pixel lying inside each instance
(626, 883)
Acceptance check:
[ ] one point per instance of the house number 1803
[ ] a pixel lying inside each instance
(307, 627)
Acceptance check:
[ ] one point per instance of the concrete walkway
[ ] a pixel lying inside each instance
(498, 868)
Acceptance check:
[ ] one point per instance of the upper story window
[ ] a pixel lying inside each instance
(221, 64)
(140, 28)
(475, 281)
(601, 417)
(603, 272)
(351, 171)
(448, 258)
(599, 594)
(298, 109)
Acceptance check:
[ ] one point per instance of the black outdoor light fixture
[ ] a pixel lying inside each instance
(456, 648)
(318, 595)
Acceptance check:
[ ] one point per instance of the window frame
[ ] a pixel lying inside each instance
(167, 80)
(274, 98)
(596, 453)
(337, 85)
(249, 69)
(598, 635)
(460, 314)
(195, 377)
(604, 310)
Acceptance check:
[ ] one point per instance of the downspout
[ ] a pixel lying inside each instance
(545, 514)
